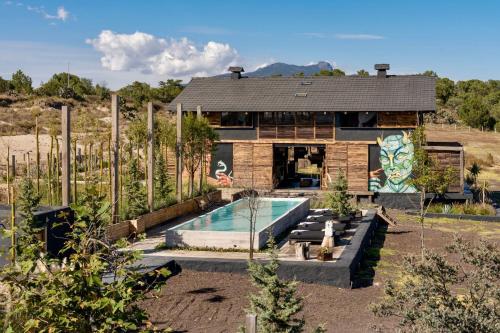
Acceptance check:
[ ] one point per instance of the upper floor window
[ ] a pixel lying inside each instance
(285, 118)
(236, 119)
(267, 118)
(304, 118)
(324, 118)
(357, 119)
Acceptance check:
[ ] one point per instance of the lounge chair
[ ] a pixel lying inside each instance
(308, 236)
(319, 226)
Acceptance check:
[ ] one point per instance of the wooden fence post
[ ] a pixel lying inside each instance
(66, 156)
(150, 157)
(115, 136)
(251, 323)
(14, 166)
(179, 154)
(202, 166)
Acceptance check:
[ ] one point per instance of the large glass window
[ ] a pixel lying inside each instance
(267, 118)
(285, 118)
(324, 118)
(304, 118)
(358, 119)
(237, 119)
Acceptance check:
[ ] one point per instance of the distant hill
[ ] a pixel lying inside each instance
(280, 68)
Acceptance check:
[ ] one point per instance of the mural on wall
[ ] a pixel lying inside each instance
(221, 164)
(391, 164)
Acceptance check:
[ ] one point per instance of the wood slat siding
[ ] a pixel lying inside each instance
(397, 119)
(352, 159)
(324, 132)
(305, 132)
(242, 164)
(357, 167)
(286, 132)
(171, 164)
(446, 159)
(263, 165)
(267, 132)
(336, 159)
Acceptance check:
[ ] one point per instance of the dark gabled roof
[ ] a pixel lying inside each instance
(348, 93)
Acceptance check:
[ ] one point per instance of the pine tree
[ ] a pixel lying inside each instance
(163, 185)
(276, 304)
(28, 202)
(338, 199)
(136, 195)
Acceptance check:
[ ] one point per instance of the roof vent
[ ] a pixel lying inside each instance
(382, 70)
(236, 72)
(301, 94)
(306, 83)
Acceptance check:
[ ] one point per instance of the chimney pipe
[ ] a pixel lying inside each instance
(236, 72)
(382, 70)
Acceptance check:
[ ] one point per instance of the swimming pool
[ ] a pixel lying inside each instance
(228, 226)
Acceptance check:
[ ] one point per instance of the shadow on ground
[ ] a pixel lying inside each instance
(366, 273)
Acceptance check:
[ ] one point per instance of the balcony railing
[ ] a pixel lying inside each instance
(291, 132)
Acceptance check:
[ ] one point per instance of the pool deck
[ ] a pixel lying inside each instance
(338, 272)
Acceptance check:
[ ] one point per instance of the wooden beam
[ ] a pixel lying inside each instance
(178, 152)
(66, 155)
(115, 144)
(150, 157)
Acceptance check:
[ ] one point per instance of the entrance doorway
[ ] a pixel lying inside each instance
(298, 166)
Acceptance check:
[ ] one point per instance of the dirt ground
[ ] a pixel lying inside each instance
(216, 302)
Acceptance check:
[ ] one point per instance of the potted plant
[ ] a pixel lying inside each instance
(325, 254)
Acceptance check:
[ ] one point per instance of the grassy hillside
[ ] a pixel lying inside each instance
(478, 146)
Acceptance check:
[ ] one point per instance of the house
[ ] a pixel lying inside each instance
(298, 132)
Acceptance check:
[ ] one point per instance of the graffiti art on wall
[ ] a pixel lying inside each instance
(221, 164)
(391, 164)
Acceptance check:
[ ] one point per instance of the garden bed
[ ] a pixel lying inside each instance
(125, 229)
(481, 218)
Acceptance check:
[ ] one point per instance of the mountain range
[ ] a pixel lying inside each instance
(280, 68)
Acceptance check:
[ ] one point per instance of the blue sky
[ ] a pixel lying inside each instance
(120, 41)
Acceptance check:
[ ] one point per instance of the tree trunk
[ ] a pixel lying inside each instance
(37, 157)
(75, 173)
(422, 218)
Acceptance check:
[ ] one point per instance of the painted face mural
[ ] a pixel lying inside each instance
(396, 162)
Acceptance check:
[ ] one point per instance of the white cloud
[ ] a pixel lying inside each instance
(313, 34)
(62, 14)
(150, 54)
(359, 36)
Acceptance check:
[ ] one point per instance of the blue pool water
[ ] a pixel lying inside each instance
(235, 216)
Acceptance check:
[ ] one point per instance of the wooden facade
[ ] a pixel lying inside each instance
(253, 161)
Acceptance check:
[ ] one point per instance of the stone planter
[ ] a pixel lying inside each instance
(325, 256)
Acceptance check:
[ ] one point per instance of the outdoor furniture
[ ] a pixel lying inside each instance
(318, 226)
(318, 218)
(308, 236)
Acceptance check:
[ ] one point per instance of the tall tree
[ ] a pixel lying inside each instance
(198, 139)
(362, 73)
(4, 85)
(445, 88)
(21, 83)
(428, 178)
(474, 112)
